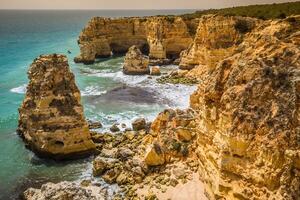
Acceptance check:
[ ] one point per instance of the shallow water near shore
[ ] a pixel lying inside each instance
(107, 94)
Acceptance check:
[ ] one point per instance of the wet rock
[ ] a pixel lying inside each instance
(114, 128)
(97, 138)
(94, 124)
(135, 62)
(155, 71)
(139, 124)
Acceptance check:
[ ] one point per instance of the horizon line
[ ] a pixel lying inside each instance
(103, 9)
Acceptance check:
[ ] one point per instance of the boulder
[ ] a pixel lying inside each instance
(122, 178)
(155, 156)
(94, 124)
(114, 128)
(155, 71)
(135, 62)
(51, 117)
(124, 153)
(111, 175)
(139, 124)
(101, 165)
(183, 134)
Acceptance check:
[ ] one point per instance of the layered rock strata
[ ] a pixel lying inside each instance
(51, 118)
(246, 107)
(160, 37)
(135, 62)
(217, 37)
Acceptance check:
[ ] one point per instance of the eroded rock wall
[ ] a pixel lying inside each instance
(247, 107)
(160, 37)
(51, 118)
(248, 118)
(217, 37)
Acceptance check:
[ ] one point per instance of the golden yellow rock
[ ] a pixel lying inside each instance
(246, 109)
(155, 71)
(160, 37)
(155, 156)
(183, 134)
(246, 105)
(51, 119)
(135, 62)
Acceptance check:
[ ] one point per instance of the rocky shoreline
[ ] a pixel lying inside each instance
(238, 140)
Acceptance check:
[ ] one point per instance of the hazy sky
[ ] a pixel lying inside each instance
(128, 4)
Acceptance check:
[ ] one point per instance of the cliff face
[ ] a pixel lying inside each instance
(51, 118)
(247, 107)
(161, 37)
(217, 37)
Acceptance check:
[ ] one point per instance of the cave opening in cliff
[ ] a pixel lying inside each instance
(172, 55)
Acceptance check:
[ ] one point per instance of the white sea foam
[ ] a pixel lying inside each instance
(121, 77)
(92, 91)
(20, 90)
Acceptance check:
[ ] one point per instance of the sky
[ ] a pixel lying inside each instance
(129, 4)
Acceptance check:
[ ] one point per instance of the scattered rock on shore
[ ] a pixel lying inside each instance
(139, 124)
(114, 128)
(155, 71)
(64, 190)
(94, 124)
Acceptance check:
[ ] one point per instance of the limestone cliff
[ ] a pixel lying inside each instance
(246, 107)
(217, 37)
(161, 37)
(51, 118)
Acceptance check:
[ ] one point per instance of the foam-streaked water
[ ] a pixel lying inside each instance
(107, 94)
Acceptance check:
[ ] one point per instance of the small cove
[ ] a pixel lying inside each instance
(107, 95)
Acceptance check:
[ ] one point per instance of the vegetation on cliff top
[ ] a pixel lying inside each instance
(266, 11)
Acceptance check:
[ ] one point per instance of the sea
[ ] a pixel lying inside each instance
(108, 95)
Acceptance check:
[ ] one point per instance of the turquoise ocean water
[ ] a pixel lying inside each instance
(108, 95)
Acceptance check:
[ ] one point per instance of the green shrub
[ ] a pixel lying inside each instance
(242, 26)
(267, 11)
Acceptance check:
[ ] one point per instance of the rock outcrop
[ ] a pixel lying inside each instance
(160, 37)
(246, 107)
(51, 118)
(135, 62)
(64, 191)
(217, 37)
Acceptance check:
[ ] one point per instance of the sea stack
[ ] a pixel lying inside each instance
(51, 118)
(135, 62)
